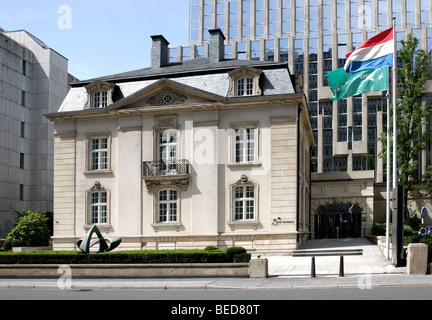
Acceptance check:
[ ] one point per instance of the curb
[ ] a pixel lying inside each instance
(278, 283)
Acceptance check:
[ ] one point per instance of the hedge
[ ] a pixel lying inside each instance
(125, 257)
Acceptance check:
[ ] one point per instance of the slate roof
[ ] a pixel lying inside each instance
(201, 73)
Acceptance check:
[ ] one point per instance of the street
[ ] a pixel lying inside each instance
(407, 292)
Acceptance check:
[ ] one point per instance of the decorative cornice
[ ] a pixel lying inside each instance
(230, 103)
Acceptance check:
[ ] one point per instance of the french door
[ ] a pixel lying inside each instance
(167, 151)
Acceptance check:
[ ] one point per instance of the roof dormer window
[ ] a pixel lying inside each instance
(244, 87)
(100, 99)
(99, 94)
(244, 82)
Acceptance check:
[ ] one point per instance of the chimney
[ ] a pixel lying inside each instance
(217, 47)
(159, 52)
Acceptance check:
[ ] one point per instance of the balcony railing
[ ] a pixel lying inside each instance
(176, 173)
(162, 168)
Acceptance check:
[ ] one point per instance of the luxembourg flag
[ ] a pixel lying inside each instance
(375, 53)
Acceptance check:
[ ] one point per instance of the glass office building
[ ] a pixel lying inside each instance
(313, 37)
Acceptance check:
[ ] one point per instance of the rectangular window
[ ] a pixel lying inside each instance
(373, 105)
(244, 145)
(357, 119)
(23, 98)
(359, 163)
(21, 160)
(24, 67)
(100, 99)
(339, 164)
(326, 109)
(98, 207)
(98, 154)
(245, 87)
(342, 121)
(328, 150)
(21, 192)
(22, 131)
(244, 203)
(167, 207)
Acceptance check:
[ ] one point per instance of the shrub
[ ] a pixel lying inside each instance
(409, 231)
(235, 250)
(242, 257)
(7, 245)
(18, 214)
(145, 256)
(427, 239)
(31, 229)
(379, 229)
(17, 243)
(211, 248)
(238, 254)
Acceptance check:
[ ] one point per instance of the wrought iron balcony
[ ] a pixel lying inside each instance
(157, 173)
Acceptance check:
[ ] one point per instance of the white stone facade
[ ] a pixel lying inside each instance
(174, 162)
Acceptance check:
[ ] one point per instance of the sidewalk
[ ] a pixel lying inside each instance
(371, 269)
(372, 261)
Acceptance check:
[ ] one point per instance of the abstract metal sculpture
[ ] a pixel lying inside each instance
(87, 242)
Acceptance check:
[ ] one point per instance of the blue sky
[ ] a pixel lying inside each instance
(99, 37)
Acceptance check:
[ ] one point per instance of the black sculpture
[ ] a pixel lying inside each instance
(87, 242)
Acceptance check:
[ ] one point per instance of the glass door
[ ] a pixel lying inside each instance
(167, 152)
(338, 221)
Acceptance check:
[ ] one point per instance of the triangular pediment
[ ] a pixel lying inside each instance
(167, 93)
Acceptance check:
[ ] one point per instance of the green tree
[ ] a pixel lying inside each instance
(411, 117)
(31, 229)
(18, 214)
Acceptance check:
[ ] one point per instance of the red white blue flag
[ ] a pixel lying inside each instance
(375, 53)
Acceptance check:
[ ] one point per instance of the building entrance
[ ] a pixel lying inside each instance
(338, 221)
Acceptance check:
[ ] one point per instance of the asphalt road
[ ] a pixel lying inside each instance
(407, 292)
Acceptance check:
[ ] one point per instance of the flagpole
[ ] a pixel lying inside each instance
(394, 98)
(388, 170)
(394, 79)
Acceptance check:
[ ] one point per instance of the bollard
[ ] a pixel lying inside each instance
(313, 274)
(341, 267)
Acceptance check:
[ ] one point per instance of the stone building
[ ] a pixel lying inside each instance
(210, 151)
(33, 81)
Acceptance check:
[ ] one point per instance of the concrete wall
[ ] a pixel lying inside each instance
(27, 93)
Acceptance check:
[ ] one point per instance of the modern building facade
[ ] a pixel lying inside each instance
(211, 151)
(313, 37)
(33, 81)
